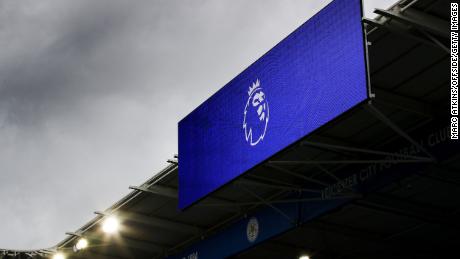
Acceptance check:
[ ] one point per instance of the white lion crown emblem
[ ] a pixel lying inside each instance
(256, 114)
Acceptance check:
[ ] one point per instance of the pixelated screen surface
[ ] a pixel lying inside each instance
(312, 76)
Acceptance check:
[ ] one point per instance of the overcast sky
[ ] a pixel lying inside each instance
(91, 93)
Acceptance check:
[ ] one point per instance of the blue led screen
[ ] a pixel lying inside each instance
(312, 76)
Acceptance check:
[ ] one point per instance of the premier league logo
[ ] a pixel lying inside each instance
(256, 115)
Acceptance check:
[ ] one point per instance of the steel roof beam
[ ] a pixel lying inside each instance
(159, 222)
(248, 203)
(272, 164)
(403, 102)
(424, 23)
(263, 201)
(383, 118)
(400, 29)
(420, 20)
(254, 183)
(172, 193)
(273, 181)
(158, 190)
(374, 23)
(123, 202)
(121, 241)
(359, 150)
(154, 221)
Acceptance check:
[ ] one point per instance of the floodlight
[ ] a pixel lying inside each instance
(110, 225)
(304, 257)
(58, 256)
(81, 244)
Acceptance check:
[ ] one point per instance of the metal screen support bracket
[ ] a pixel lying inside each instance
(269, 204)
(361, 150)
(435, 40)
(379, 115)
(271, 164)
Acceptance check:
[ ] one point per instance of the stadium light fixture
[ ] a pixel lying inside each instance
(58, 255)
(81, 244)
(304, 257)
(110, 225)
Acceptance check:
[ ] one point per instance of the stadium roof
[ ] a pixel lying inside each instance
(399, 139)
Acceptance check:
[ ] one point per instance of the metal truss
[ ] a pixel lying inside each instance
(388, 157)
(25, 254)
(384, 119)
(411, 23)
(120, 241)
(269, 204)
(280, 201)
(404, 103)
(173, 193)
(154, 221)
